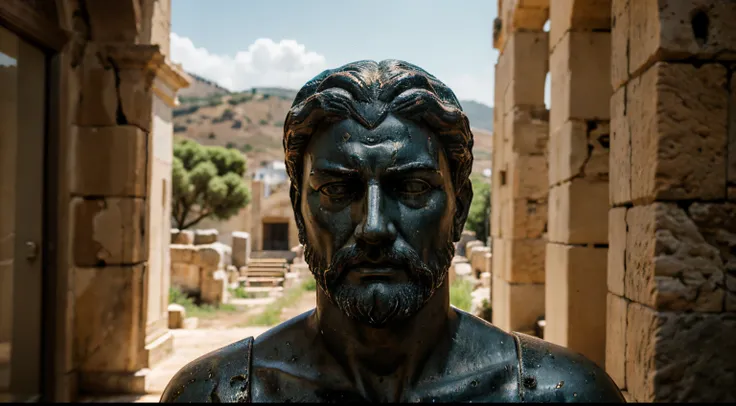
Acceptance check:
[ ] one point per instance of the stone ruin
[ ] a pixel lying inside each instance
(472, 262)
(206, 269)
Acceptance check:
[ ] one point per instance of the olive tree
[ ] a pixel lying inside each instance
(207, 181)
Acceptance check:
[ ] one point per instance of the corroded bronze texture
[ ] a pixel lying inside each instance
(379, 156)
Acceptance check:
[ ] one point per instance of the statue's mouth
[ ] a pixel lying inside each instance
(377, 271)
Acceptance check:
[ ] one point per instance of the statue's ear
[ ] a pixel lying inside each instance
(462, 207)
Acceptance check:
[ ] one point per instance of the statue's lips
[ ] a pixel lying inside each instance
(376, 269)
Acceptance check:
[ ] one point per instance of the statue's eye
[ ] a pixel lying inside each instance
(414, 187)
(335, 189)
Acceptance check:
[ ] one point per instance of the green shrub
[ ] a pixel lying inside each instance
(461, 294)
(310, 285)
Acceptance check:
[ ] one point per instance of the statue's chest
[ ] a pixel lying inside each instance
(490, 385)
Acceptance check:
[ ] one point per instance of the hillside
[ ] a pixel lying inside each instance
(252, 121)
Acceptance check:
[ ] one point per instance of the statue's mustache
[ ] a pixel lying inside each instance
(352, 255)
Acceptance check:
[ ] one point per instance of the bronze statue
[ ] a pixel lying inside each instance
(379, 158)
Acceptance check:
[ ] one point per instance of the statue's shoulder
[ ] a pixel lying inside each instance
(222, 375)
(551, 373)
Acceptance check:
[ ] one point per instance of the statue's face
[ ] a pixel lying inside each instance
(378, 209)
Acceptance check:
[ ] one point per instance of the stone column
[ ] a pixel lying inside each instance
(256, 225)
(575, 302)
(111, 172)
(159, 341)
(519, 209)
(671, 274)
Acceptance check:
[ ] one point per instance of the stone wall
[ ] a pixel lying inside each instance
(672, 222)
(519, 206)
(578, 177)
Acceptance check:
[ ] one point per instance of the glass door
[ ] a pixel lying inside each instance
(22, 135)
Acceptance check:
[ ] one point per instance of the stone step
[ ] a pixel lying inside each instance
(267, 260)
(261, 272)
(262, 289)
(263, 281)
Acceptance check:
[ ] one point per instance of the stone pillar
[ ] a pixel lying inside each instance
(159, 341)
(519, 209)
(113, 157)
(671, 279)
(575, 303)
(256, 225)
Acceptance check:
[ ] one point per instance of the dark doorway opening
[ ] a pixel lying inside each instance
(275, 236)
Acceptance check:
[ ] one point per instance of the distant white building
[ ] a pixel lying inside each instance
(272, 174)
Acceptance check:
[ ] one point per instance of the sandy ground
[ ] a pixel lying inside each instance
(211, 335)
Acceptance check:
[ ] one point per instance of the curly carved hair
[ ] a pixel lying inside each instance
(367, 91)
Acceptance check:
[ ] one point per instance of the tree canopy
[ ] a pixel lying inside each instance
(480, 208)
(207, 181)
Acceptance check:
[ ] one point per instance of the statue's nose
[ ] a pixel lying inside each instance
(376, 227)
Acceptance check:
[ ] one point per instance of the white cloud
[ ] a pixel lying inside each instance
(265, 63)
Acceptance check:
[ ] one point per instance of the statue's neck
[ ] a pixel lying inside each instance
(396, 353)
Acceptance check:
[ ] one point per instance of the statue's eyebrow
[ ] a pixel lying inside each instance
(412, 167)
(324, 167)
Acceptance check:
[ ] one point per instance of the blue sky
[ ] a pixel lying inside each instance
(245, 43)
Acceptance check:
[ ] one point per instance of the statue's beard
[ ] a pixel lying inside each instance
(379, 304)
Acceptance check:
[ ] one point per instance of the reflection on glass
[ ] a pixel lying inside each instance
(8, 138)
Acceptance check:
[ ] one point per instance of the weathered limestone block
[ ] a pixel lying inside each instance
(579, 149)
(291, 280)
(185, 254)
(516, 307)
(232, 274)
(620, 29)
(186, 276)
(109, 161)
(528, 129)
(575, 306)
(526, 176)
(669, 104)
(465, 238)
(617, 250)
(190, 323)
(657, 368)
(241, 248)
(524, 218)
(677, 258)
(683, 29)
(208, 236)
(108, 323)
(478, 259)
(522, 260)
(576, 15)
(456, 260)
(580, 71)
(463, 271)
(616, 339)
(213, 287)
(620, 152)
(488, 257)
(98, 102)
(177, 314)
(527, 63)
(184, 237)
(579, 212)
(212, 256)
(469, 247)
(108, 231)
(485, 280)
(301, 269)
(478, 296)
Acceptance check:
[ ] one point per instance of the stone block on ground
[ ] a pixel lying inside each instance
(301, 269)
(180, 253)
(214, 287)
(177, 314)
(479, 296)
(463, 271)
(291, 280)
(207, 236)
(232, 274)
(478, 259)
(213, 256)
(185, 237)
(186, 277)
(485, 280)
(190, 323)
(241, 248)
(465, 237)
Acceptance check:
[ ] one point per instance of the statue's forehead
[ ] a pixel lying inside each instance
(399, 136)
